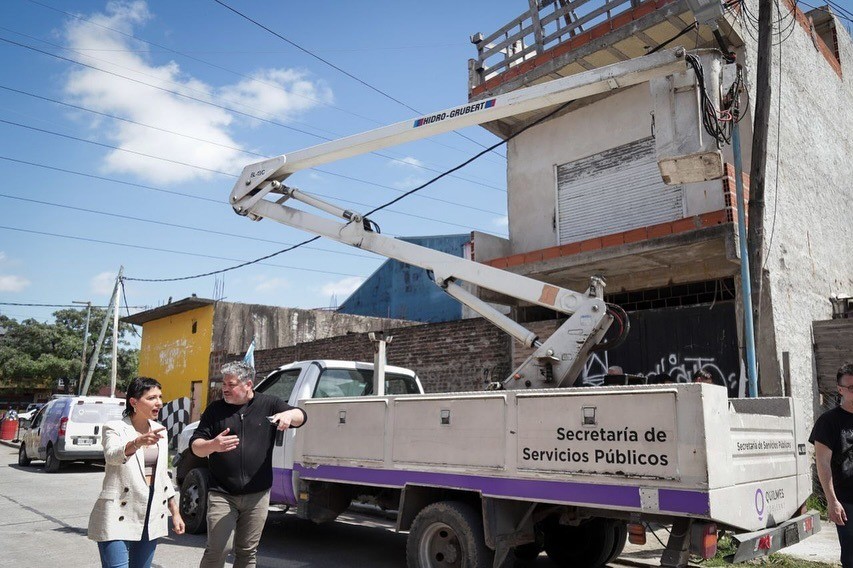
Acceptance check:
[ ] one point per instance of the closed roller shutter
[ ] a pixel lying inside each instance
(616, 190)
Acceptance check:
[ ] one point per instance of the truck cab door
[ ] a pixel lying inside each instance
(286, 385)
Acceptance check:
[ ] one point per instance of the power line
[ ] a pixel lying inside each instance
(208, 199)
(333, 66)
(185, 253)
(38, 305)
(175, 225)
(119, 148)
(388, 187)
(204, 101)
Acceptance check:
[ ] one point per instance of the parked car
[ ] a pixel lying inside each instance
(68, 429)
(30, 412)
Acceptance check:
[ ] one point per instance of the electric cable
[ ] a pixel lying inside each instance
(333, 66)
(38, 305)
(181, 252)
(230, 109)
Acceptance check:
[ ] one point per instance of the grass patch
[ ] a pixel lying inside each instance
(726, 547)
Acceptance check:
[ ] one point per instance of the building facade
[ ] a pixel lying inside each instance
(586, 195)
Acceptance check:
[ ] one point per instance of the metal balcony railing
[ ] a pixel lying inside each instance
(546, 24)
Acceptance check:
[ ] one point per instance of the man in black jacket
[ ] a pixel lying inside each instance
(237, 435)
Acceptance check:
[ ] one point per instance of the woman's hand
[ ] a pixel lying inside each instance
(178, 523)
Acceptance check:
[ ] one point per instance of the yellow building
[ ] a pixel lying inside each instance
(176, 347)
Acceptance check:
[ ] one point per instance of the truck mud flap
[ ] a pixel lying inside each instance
(767, 541)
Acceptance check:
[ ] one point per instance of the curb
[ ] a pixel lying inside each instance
(11, 443)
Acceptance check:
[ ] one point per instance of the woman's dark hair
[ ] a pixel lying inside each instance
(137, 389)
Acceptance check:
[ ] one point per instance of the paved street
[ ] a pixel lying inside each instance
(43, 520)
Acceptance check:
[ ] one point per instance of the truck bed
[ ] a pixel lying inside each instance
(678, 450)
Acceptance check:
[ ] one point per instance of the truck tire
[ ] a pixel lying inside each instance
(447, 534)
(23, 460)
(588, 545)
(51, 462)
(620, 537)
(194, 500)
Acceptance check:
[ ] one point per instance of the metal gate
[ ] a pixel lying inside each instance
(613, 191)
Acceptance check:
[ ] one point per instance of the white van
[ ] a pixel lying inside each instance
(68, 428)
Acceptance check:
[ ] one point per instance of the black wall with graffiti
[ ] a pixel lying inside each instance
(676, 341)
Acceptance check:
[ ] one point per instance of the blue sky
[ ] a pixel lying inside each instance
(51, 252)
(165, 102)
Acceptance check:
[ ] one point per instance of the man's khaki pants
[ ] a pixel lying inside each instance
(240, 516)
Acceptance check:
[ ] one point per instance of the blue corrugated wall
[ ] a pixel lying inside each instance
(398, 290)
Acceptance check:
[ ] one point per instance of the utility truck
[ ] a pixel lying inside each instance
(533, 464)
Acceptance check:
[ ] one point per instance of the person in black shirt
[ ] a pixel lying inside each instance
(832, 437)
(237, 436)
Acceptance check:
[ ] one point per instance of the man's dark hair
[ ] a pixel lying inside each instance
(845, 369)
(137, 389)
(702, 375)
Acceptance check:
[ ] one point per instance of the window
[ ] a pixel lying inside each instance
(359, 382)
(88, 413)
(280, 384)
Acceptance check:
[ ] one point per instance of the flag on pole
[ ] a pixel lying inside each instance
(250, 354)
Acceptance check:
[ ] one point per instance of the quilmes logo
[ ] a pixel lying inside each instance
(764, 500)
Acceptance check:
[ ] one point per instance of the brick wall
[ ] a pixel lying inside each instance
(448, 357)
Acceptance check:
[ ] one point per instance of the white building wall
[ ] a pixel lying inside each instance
(532, 157)
(809, 221)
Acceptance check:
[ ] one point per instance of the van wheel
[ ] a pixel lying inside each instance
(448, 533)
(194, 500)
(588, 545)
(51, 462)
(22, 456)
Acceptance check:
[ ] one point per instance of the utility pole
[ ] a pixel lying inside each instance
(85, 342)
(114, 369)
(755, 237)
(94, 360)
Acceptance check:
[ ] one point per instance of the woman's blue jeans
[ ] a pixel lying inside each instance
(130, 553)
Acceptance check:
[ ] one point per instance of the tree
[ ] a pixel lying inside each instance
(35, 354)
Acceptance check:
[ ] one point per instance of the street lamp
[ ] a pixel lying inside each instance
(85, 339)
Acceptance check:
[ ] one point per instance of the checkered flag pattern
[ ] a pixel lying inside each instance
(175, 415)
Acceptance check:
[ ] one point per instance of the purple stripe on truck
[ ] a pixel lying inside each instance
(282, 486)
(675, 501)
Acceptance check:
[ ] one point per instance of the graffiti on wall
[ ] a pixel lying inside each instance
(679, 368)
(676, 342)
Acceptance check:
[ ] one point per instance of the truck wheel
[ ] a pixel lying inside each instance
(51, 462)
(448, 533)
(620, 537)
(194, 500)
(22, 456)
(588, 545)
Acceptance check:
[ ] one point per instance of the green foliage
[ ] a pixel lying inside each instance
(34, 354)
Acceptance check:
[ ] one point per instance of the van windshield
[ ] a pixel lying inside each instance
(90, 413)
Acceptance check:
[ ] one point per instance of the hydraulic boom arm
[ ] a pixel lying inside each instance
(555, 362)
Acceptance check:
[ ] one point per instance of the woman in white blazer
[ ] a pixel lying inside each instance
(130, 513)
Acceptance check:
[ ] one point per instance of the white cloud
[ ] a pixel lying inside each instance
(291, 93)
(12, 283)
(342, 288)
(272, 284)
(103, 283)
(407, 162)
(501, 221)
(277, 92)
(2, 256)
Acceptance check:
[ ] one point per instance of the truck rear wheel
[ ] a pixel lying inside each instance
(620, 537)
(194, 500)
(448, 534)
(588, 545)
